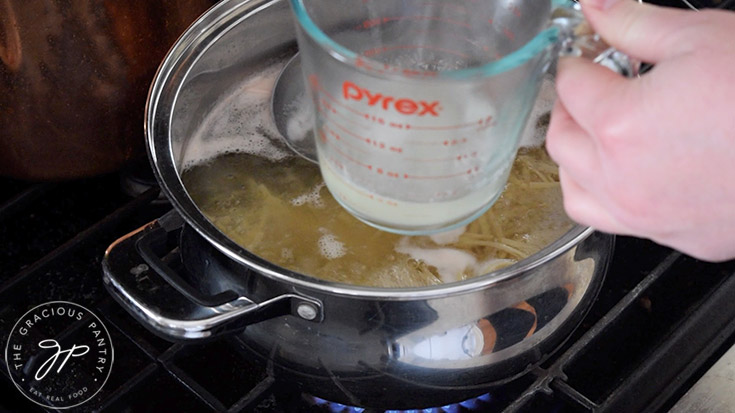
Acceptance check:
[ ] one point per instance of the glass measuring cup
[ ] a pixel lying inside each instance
(420, 104)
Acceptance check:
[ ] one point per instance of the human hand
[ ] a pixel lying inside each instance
(654, 156)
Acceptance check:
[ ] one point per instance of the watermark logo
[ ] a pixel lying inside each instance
(59, 354)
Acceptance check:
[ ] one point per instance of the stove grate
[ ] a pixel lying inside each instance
(659, 322)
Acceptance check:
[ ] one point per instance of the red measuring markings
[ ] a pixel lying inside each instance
(399, 125)
(337, 137)
(509, 33)
(454, 142)
(396, 174)
(376, 119)
(327, 106)
(378, 100)
(469, 171)
(373, 142)
(316, 86)
(339, 164)
(481, 123)
(370, 167)
(486, 122)
(445, 142)
(351, 159)
(405, 106)
(445, 159)
(324, 108)
(445, 194)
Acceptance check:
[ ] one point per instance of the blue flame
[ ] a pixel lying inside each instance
(470, 405)
(337, 407)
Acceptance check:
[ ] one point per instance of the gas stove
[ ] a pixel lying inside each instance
(661, 321)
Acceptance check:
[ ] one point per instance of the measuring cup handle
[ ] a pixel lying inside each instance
(577, 38)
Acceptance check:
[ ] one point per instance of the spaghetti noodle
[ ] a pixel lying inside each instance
(282, 212)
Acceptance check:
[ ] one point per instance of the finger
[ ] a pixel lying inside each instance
(582, 207)
(598, 99)
(571, 147)
(647, 32)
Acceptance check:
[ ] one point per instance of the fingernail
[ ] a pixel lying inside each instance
(598, 4)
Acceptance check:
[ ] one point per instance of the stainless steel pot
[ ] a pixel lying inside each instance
(381, 348)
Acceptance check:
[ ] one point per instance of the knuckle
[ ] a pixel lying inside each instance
(576, 213)
(616, 132)
(570, 207)
(610, 131)
(698, 248)
(634, 210)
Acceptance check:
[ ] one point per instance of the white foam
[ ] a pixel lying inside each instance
(329, 246)
(300, 116)
(449, 262)
(313, 198)
(287, 254)
(448, 237)
(241, 122)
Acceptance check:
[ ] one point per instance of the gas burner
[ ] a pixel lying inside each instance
(478, 404)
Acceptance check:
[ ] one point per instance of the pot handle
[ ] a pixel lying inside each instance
(138, 274)
(579, 39)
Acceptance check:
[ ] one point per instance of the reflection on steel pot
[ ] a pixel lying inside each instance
(73, 81)
(354, 345)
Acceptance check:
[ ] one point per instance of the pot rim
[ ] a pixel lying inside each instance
(161, 100)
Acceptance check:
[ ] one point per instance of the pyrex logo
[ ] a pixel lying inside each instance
(405, 106)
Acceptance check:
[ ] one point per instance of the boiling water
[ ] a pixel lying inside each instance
(281, 211)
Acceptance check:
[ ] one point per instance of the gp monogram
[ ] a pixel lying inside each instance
(59, 354)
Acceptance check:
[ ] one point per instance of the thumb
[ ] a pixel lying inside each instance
(646, 32)
(599, 100)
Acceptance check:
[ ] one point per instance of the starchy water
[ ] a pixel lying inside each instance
(282, 211)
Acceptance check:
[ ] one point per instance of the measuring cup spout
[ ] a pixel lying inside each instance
(577, 38)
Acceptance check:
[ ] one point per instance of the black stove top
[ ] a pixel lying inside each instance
(659, 322)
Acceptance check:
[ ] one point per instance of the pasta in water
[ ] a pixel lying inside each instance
(282, 212)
